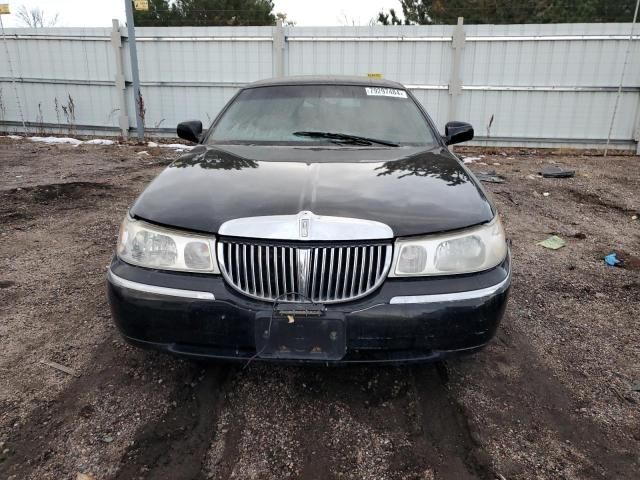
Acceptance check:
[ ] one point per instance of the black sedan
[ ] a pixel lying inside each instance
(319, 219)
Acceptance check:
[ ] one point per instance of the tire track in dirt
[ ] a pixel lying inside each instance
(445, 437)
(174, 445)
(354, 419)
(551, 407)
(380, 423)
(414, 425)
(30, 444)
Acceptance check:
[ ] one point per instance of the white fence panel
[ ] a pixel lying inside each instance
(542, 85)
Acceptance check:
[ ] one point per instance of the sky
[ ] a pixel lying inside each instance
(98, 13)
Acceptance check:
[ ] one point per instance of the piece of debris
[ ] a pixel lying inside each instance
(62, 368)
(12, 137)
(634, 217)
(612, 260)
(152, 145)
(554, 242)
(496, 164)
(490, 177)
(144, 152)
(507, 195)
(618, 394)
(545, 194)
(107, 439)
(579, 235)
(84, 476)
(555, 171)
(636, 387)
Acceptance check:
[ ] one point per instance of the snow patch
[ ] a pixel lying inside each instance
(71, 141)
(177, 146)
(99, 141)
(56, 140)
(471, 159)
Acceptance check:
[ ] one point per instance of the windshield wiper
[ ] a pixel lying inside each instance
(345, 137)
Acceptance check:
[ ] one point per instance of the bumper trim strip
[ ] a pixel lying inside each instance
(153, 289)
(454, 297)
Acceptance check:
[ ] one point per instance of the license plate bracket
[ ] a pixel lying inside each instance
(300, 337)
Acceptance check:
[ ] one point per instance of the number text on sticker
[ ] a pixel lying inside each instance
(386, 92)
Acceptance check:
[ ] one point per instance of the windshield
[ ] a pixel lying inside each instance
(278, 114)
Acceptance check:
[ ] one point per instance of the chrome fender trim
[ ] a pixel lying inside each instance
(305, 226)
(155, 290)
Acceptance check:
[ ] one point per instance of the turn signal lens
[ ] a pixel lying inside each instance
(413, 259)
(197, 255)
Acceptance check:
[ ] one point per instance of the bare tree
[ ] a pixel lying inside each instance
(35, 17)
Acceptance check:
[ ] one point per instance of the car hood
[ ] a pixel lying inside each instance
(414, 191)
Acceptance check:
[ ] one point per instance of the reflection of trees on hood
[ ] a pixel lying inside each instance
(426, 166)
(214, 159)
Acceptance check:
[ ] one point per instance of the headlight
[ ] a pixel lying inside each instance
(146, 245)
(471, 250)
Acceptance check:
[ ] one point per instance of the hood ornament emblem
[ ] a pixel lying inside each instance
(305, 224)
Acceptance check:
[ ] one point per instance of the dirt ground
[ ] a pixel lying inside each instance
(551, 397)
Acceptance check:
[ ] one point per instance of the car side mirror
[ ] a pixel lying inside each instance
(191, 130)
(458, 132)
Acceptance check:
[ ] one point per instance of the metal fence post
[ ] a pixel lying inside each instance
(116, 42)
(135, 76)
(278, 49)
(455, 83)
(636, 131)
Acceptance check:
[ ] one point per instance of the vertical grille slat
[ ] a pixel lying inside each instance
(268, 262)
(355, 270)
(260, 271)
(253, 271)
(283, 256)
(370, 279)
(244, 267)
(312, 293)
(338, 277)
(292, 275)
(330, 279)
(276, 279)
(237, 262)
(345, 282)
(335, 273)
(324, 261)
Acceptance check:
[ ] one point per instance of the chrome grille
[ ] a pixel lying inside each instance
(327, 274)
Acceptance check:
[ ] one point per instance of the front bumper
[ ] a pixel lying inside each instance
(405, 320)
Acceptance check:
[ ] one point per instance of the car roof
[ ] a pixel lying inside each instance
(326, 80)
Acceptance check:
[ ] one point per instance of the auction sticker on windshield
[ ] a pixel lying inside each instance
(385, 92)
